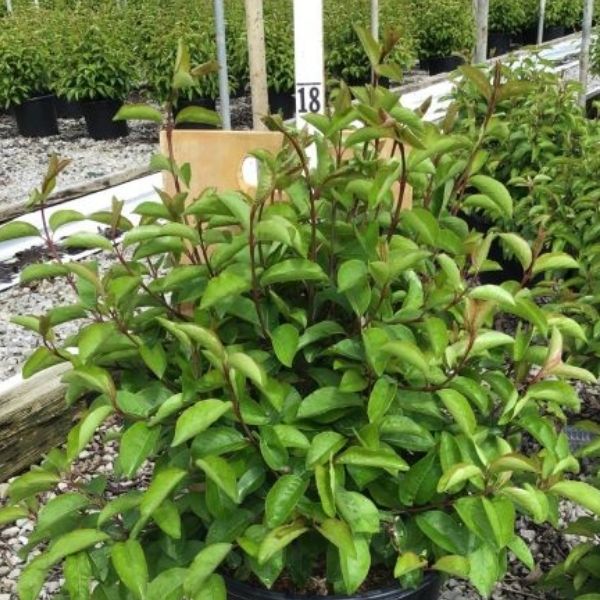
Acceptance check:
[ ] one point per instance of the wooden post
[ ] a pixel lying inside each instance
(255, 27)
(541, 22)
(375, 19)
(584, 58)
(482, 30)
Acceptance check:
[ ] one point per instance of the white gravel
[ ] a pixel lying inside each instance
(23, 161)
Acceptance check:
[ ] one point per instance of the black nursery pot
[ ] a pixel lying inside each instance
(498, 43)
(443, 64)
(428, 590)
(283, 103)
(68, 109)
(99, 115)
(552, 33)
(36, 117)
(208, 103)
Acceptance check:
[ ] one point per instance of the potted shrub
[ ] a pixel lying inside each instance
(279, 47)
(99, 74)
(323, 395)
(24, 82)
(444, 31)
(506, 19)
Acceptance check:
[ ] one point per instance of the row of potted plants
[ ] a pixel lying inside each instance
(337, 409)
(96, 55)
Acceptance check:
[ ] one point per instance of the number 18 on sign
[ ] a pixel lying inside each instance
(308, 50)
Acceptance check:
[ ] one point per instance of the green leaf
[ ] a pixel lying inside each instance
(203, 566)
(10, 514)
(198, 418)
(155, 358)
(224, 286)
(82, 435)
(460, 409)
(323, 446)
(423, 224)
(60, 507)
(494, 190)
(137, 444)
(166, 516)
(93, 378)
(478, 78)
(355, 566)
(31, 581)
(579, 492)
(519, 247)
(212, 589)
(407, 563)
(484, 572)
(130, 564)
(31, 483)
(339, 534)
(40, 359)
(282, 499)
(120, 505)
(407, 352)
(294, 269)
(279, 538)
(88, 240)
(456, 566)
(358, 511)
(198, 114)
(351, 273)
(492, 293)
(553, 261)
(77, 571)
(456, 475)
(521, 550)
(71, 543)
(285, 343)
(42, 271)
(16, 230)
(221, 473)
(168, 585)
(164, 482)
(325, 400)
(444, 531)
(138, 112)
(61, 217)
(367, 457)
(380, 400)
(92, 337)
(247, 366)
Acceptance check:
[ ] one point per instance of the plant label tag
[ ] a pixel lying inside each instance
(309, 65)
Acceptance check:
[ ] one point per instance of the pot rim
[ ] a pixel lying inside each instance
(396, 593)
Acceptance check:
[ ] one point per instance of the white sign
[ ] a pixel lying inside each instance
(309, 63)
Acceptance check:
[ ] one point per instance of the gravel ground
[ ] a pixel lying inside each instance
(23, 160)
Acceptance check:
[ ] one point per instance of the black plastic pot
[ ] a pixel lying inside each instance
(529, 36)
(442, 64)
(552, 33)
(208, 103)
(99, 115)
(498, 43)
(68, 109)
(36, 117)
(283, 103)
(429, 590)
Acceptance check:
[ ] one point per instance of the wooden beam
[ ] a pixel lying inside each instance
(34, 418)
(255, 26)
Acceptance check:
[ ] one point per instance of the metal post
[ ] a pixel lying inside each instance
(541, 22)
(255, 26)
(584, 59)
(375, 19)
(482, 30)
(222, 58)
